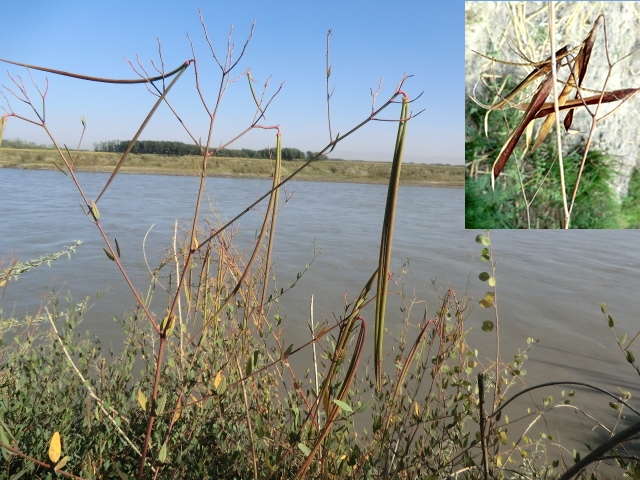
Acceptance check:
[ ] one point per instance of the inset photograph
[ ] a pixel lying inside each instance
(552, 136)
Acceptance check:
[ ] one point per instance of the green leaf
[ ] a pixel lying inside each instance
(487, 326)
(487, 301)
(142, 400)
(611, 321)
(304, 449)
(4, 439)
(344, 406)
(288, 351)
(630, 357)
(111, 257)
(486, 255)
(492, 282)
(162, 455)
(3, 436)
(615, 406)
(484, 276)
(364, 406)
(483, 239)
(260, 422)
(623, 339)
(603, 307)
(248, 368)
(162, 401)
(118, 248)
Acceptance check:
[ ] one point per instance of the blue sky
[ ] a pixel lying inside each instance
(370, 40)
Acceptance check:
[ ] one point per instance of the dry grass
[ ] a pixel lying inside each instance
(328, 170)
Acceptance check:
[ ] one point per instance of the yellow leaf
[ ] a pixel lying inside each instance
(322, 331)
(142, 400)
(55, 448)
(217, 380)
(61, 464)
(95, 211)
(416, 409)
(167, 325)
(176, 414)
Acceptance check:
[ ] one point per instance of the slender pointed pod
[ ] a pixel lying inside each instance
(142, 127)
(100, 79)
(386, 240)
(274, 213)
(536, 103)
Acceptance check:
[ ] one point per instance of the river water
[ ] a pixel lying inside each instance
(550, 283)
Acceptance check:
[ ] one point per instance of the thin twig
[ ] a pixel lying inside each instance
(329, 95)
(554, 74)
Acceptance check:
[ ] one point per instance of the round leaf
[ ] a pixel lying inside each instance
(487, 301)
(484, 276)
(487, 326)
(483, 239)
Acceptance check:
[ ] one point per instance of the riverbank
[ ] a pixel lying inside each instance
(324, 170)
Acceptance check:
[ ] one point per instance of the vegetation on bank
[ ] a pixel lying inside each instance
(325, 170)
(232, 406)
(179, 149)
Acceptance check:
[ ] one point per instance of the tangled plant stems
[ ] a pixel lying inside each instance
(211, 297)
(216, 396)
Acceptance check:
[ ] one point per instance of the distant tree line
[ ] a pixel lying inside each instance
(18, 143)
(180, 149)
